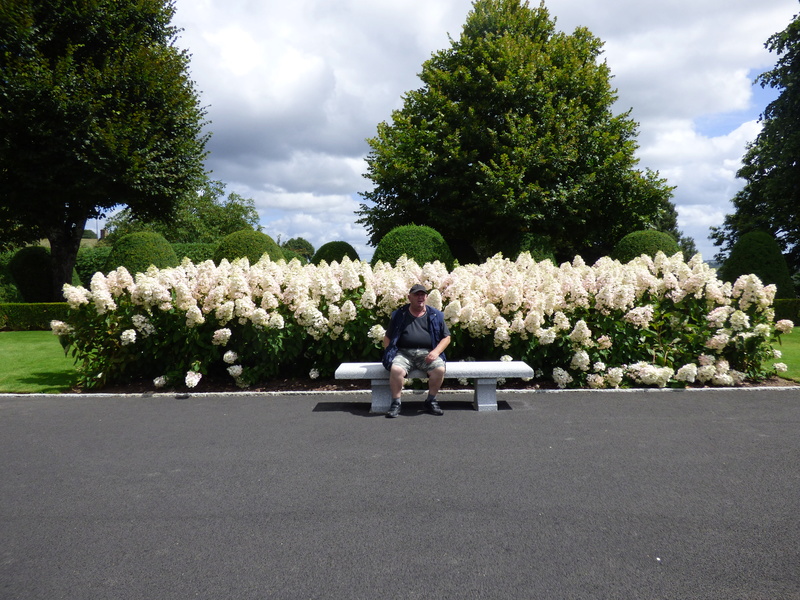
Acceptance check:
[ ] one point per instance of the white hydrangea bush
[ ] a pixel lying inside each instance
(651, 322)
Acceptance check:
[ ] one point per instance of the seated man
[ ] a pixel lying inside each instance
(416, 339)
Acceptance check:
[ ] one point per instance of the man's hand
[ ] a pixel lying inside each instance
(434, 354)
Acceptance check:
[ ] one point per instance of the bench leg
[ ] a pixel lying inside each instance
(381, 396)
(485, 394)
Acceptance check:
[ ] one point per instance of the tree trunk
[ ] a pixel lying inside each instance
(64, 245)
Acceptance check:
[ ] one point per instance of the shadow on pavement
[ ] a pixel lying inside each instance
(410, 408)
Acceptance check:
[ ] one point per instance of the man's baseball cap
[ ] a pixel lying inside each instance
(417, 288)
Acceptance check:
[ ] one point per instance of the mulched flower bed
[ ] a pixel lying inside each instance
(225, 385)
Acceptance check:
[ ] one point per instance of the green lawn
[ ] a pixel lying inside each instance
(34, 362)
(790, 348)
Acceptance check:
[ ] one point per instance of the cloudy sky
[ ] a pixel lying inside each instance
(293, 88)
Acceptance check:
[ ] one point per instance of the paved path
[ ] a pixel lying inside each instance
(674, 495)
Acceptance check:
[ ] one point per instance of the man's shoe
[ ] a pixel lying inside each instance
(432, 406)
(394, 410)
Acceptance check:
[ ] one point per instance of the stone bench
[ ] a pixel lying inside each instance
(485, 373)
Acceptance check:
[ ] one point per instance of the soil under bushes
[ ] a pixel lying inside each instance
(226, 385)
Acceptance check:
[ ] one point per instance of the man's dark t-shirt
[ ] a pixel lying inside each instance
(416, 332)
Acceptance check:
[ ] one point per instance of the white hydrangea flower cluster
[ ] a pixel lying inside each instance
(192, 379)
(143, 325)
(128, 337)
(650, 374)
(60, 328)
(640, 316)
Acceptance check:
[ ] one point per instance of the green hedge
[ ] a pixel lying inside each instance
(31, 317)
(787, 308)
(197, 252)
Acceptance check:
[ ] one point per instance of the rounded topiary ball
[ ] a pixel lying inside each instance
(299, 247)
(31, 269)
(421, 243)
(758, 253)
(290, 255)
(247, 243)
(648, 242)
(334, 251)
(138, 251)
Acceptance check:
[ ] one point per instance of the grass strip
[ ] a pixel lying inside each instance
(790, 351)
(33, 362)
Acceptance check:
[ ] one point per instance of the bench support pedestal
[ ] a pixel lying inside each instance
(485, 397)
(381, 396)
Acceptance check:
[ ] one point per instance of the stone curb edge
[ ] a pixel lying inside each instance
(187, 396)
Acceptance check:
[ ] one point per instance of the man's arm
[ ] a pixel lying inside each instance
(440, 347)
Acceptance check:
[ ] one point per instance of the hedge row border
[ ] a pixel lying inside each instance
(19, 316)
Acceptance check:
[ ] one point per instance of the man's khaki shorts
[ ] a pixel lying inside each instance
(410, 359)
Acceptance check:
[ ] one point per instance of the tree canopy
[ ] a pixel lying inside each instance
(770, 198)
(205, 217)
(512, 134)
(96, 111)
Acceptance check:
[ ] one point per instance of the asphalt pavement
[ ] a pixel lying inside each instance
(573, 495)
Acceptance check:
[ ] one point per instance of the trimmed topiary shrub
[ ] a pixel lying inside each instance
(758, 253)
(787, 308)
(247, 243)
(137, 251)
(8, 289)
(30, 268)
(31, 271)
(89, 261)
(196, 252)
(648, 242)
(419, 242)
(299, 247)
(334, 251)
(290, 255)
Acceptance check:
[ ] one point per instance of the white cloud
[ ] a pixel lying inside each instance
(294, 88)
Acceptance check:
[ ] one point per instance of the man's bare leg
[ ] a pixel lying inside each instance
(435, 379)
(397, 376)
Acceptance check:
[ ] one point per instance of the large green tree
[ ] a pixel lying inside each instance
(770, 198)
(96, 110)
(206, 216)
(512, 133)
